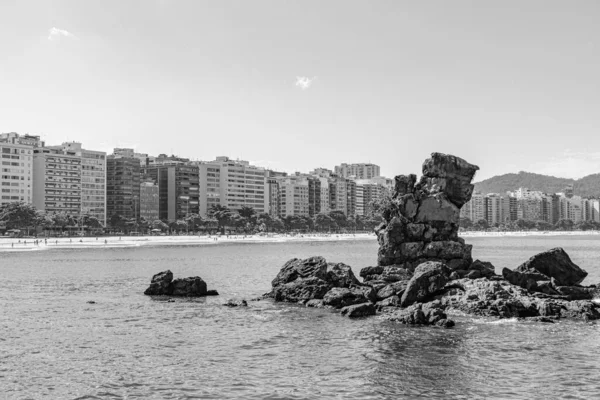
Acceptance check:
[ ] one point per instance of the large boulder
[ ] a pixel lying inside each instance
(528, 279)
(423, 314)
(429, 278)
(359, 310)
(342, 297)
(310, 279)
(555, 263)
(193, 286)
(301, 290)
(161, 284)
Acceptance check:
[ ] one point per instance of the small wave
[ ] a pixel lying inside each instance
(503, 321)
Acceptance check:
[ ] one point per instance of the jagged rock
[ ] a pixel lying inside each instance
(557, 264)
(577, 292)
(359, 310)
(296, 268)
(314, 303)
(341, 275)
(342, 297)
(389, 273)
(311, 278)
(437, 208)
(368, 271)
(500, 298)
(300, 290)
(485, 268)
(423, 314)
(527, 280)
(392, 289)
(236, 303)
(163, 284)
(193, 286)
(429, 278)
(404, 184)
(392, 301)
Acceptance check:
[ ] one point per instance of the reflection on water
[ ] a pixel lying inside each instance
(54, 344)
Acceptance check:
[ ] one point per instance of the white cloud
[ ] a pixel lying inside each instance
(569, 164)
(304, 82)
(55, 33)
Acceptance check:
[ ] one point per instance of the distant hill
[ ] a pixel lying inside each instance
(588, 186)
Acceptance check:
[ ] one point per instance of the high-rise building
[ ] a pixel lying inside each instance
(123, 186)
(149, 201)
(371, 190)
(16, 180)
(294, 196)
(475, 209)
(338, 194)
(240, 184)
(494, 210)
(358, 171)
(595, 208)
(272, 192)
(70, 179)
(178, 189)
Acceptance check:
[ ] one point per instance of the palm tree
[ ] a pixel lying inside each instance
(221, 213)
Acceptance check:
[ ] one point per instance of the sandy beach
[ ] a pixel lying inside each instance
(29, 244)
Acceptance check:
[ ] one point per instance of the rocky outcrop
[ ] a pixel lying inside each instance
(500, 298)
(423, 314)
(429, 278)
(421, 223)
(163, 284)
(424, 270)
(556, 264)
(299, 281)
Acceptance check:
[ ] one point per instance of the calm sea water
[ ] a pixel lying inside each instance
(53, 344)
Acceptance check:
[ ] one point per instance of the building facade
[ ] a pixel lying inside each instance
(358, 171)
(149, 201)
(123, 176)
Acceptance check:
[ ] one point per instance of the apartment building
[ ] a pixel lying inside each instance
(16, 180)
(123, 186)
(178, 189)
(338, 194)
(358, 171)
(240, 184)
(149, 200)
(57, 184)
(294, 196)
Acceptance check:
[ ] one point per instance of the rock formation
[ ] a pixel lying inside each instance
(424, 269)
(163, 284)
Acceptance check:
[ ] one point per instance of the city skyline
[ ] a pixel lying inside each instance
(386, 82)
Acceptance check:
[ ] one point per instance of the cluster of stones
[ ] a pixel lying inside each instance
(425, 269)
(162, 284)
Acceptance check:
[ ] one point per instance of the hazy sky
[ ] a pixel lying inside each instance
(507, 85)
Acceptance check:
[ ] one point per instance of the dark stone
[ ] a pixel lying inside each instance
(342, 297)
(190, 287)
(475, 274)
(577, 292)
(423, 314)
(429, 278)
(296, 268)
(161, 284)
(91, 302)
(392, 289)
(236, 303)
(341, 275)
(367, 271)
(212, 292)
(302, 289)
(314, 303)
(557, 264)
(404, 184)
(485, 268)
(392, 301)
(359, 310)
(527, 280)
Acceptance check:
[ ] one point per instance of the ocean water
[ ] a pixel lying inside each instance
(55, 345)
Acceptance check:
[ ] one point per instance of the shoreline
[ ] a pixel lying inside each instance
(19, 244)
(29, 244)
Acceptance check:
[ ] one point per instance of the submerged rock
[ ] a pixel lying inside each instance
(163, 284)
(423, 314)
(236, 303)
(359, 310)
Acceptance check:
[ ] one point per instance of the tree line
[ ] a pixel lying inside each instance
(528, 225)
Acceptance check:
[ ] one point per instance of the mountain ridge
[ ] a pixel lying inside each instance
(587, 186)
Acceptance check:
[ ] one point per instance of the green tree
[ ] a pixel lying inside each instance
(221, 213)
(19, 215)
(323, 222)
(482, 225)
(158, 224)
(465, 223)
(339, 217)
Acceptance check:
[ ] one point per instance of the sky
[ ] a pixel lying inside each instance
(507, 85)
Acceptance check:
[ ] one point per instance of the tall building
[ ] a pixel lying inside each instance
(371, 190)
(16, 180)
(70, 179)
(123, 186)
(475, 209)
(359, 171)
(272, 192)
(294, 196)
(494, 210)
(149, 201)
(240, 184)
(595, 208)
(530, 204)
(509, 208)
(178, 189)
(338, 194)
